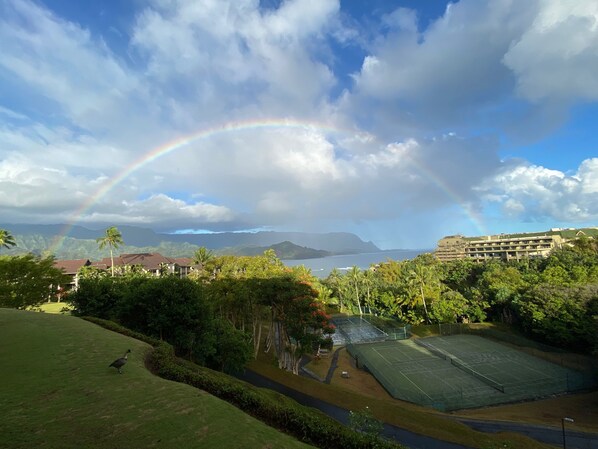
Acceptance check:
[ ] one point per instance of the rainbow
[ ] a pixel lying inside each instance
(231, 127)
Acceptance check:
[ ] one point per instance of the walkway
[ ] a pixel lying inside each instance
(409, 439)
(550, 435)
(333, 364)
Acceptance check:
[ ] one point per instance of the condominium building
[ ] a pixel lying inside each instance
(508, 246)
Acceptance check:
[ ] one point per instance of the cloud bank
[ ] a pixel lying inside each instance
(417, 133)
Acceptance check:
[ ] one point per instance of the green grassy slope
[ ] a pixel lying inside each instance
(57, 391)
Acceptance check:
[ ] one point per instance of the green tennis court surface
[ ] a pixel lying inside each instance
(462, 371)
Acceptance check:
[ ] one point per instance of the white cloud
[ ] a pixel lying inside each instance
(61, 61)
(473, 63)
(556, 57)
(227, 56)
(533, 192)
(447, 71)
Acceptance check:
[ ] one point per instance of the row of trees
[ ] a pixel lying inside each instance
(553, 299)
(231, 306)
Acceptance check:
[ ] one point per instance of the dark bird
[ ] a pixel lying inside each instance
(119, 363)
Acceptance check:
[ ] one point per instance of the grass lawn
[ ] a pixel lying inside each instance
(55, 307)
(57, 391)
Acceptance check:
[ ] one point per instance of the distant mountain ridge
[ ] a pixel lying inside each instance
(284, 250)
(39, 238)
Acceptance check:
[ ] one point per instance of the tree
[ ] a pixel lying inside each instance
(335, 282)
(202, 256)
(501, 284)
(6, 239)
(561, 315)
(112, 239)
(28, 281)
(424, 281)
(364, 421)
(355, 278)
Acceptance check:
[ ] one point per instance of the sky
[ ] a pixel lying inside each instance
(399, 120)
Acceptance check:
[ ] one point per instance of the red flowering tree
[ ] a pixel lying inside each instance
(299, 322)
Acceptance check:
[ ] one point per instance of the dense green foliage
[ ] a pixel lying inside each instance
(168, 308)
(554, 300)
(216, 316)
(28, 281)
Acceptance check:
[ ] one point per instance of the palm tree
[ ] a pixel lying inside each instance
(355, 278)
(202, 255)
(423, 280)
(113, 239)
(335, 281)
(368, 281)
(6, 239)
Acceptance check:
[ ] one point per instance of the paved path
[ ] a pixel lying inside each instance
(550, 435)
(405, 437)
(333, 364)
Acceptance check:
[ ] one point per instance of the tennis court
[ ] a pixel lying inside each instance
(460, 371)
(355, 329)
(516, 371)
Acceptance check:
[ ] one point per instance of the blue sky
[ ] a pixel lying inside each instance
(402, 121)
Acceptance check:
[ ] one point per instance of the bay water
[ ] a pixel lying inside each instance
(322, 266)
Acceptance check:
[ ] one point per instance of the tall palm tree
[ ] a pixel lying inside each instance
(202, 255)
(423, 280)
(6, 239)
(355, 278)
(113, 239)
(335, 281)
(368, 281)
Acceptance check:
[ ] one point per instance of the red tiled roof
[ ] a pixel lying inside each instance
(71, 266)
(184, 261)
(150, 261)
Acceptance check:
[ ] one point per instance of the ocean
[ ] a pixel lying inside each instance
(321, 267)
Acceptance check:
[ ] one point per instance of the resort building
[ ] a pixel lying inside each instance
(508, 246)
(154, 263)
(71, 268)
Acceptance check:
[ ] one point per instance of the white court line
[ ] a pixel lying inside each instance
(416, 386)
(403, 374)
(383, 358)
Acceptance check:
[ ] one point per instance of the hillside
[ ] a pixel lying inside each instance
(284, 250)
(80, 242)
(57, 391)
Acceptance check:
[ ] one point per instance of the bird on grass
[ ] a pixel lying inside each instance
(119, 363)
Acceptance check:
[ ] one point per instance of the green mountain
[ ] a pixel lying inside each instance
(284, 250)
(87, 248)
(334, 242)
